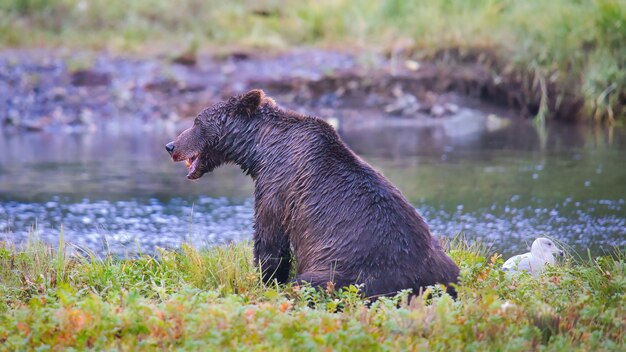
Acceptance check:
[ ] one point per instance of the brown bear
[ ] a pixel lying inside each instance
(344, 221)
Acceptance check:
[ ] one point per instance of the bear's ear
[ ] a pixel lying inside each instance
(249, 102)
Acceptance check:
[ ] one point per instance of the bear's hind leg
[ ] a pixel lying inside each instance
(314, 279)
(320, 280)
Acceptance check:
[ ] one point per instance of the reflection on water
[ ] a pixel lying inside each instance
(504, 187)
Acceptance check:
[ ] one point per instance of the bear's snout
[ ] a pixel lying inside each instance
(170, 147)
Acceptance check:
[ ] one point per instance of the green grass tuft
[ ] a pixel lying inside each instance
(213, 299)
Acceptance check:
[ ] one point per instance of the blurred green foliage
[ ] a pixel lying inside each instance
(577, 44)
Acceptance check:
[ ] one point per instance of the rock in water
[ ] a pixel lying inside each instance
(542, 252)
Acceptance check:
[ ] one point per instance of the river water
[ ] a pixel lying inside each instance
(117, 192)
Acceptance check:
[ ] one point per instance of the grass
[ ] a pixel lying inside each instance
(212, 299)
(554, 52)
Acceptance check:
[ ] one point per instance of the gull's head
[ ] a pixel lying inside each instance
(546, 249)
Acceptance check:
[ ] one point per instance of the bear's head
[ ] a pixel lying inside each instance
(198, 145)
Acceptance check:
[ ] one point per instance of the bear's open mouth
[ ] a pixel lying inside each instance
(192, 166)
(189, 162)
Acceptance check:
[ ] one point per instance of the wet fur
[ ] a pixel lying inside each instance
(344, 221)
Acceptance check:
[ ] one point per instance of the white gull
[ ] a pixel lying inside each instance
(542, 252)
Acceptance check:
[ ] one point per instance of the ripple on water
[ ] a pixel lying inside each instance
(599, 227)
(121, 227)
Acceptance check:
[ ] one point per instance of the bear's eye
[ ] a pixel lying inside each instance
(549, 243)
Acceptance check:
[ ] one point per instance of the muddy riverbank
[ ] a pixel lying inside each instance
(56, 91)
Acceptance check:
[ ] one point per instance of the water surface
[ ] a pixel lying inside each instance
(116, 192)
